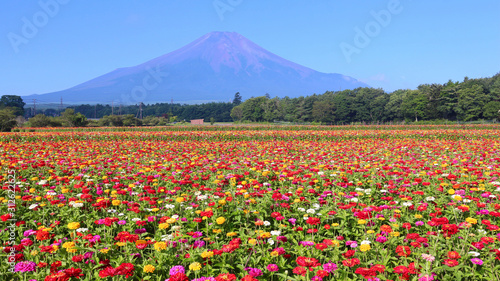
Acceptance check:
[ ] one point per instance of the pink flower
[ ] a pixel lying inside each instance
(477, 261)
(272, 267)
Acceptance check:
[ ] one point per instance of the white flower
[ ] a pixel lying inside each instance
(316, 206)
(466, 201)
(111, 211)
(475, 254)
(82, 230)
(266, 223)
(51, 193)
(482, 231)
(33, 206)
(368, 191)
(383, 190)
(311, 211)
(175, 216)
(430, 198)
(365, 242)
(189, 208)
(276, 233)
(169, 206)
(42, 182)
(301, 209)
(270, 241)
(136, 219)
(354, 199)
(77, 205)
(407, 204)
(176, 227)
(121, 214)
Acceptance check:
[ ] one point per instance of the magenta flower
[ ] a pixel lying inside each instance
(25, 266)
(176, 269)
(272, 267)
(329, 267)
(477, 261)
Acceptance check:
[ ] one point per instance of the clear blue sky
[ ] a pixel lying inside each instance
(423, 42)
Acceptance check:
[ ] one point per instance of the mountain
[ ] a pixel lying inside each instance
(212, 68)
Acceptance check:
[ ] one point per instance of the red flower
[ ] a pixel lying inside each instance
(403, 251)
(453, 255)
(321, 246)
(351, 262)
(322, 273)
(225, 277)
(248, 278)
(299, 270)
(450, 263)
(349, 253)
(179, 276)
(308, 262)
(74, 272)
(313, 221)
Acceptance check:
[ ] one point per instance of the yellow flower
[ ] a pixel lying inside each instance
(164, 225)
(116, 202)
(121, 244)
(457, 198)
(68, 245)
(73, 225)
(195, 266)
(171, 220)
(274, 254)
(471, 220)
(364, 247)
(220, 220)
(335, 243)
(104, 251)
(160, 246)
(265, 235)
(34, 253)
(417, 216)
(252, 241)
(207, 254)
(217, 230)
(395, 234)
(222, 202)
(370, 231)
(451, 191)
(361, 221)
(148, 268)
(230, 234)
(335, 224)
(179, 199)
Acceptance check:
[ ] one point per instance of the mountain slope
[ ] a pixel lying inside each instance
(211, 68)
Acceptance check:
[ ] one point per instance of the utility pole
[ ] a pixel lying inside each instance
(34, 107)
(140, 110)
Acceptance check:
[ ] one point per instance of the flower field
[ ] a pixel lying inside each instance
(268, 203)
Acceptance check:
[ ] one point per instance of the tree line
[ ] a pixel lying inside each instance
(469, 100)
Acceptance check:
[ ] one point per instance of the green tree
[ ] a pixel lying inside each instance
(414, 105)
(237, 113)
(492, 110)
(237, 99)
(471, 101)
(323, 111)
(12, 101)
(7, 120)
(72, 119)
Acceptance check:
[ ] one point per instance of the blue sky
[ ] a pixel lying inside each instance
(413, 42)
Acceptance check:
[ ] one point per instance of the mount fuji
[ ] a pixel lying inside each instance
(212, 68)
